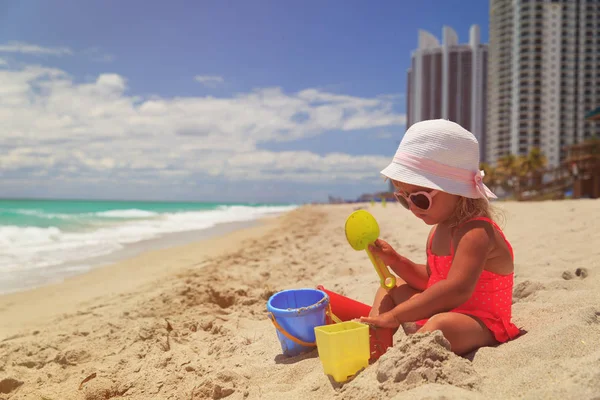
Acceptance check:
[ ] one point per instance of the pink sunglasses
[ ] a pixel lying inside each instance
(422, 200)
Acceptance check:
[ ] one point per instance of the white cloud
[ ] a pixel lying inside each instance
(88, 131)
(209, 80)
(111, 82)
(3, 62)
(303, 166)
(33, 49)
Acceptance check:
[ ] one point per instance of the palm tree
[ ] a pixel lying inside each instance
(507, 163)
(537, 159)
(521, 174)
(515, 171)
(491, 177)
(507, 169)
(535, 163)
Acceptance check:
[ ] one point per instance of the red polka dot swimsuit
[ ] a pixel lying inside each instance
(491, 301)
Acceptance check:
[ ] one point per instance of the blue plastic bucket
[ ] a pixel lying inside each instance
(295, 314)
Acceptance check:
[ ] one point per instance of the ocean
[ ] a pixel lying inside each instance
(43, 240)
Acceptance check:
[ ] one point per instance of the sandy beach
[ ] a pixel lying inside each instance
(189, 322)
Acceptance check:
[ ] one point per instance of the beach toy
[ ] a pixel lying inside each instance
(346, 309)
(295, 313)
(361, 231)
(343, 348)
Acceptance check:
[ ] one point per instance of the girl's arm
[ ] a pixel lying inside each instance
(416, 275)
(475, 240)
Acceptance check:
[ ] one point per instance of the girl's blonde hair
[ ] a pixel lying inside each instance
(467, 209)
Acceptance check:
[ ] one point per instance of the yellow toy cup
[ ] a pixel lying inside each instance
(343, 348)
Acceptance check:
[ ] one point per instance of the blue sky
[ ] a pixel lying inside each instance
(208, 100)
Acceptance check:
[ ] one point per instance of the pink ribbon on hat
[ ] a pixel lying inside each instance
(445, 171)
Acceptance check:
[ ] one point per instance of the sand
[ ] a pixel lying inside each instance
(190, 322)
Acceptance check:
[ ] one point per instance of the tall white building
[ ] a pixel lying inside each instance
(544, 75)
(449, 80)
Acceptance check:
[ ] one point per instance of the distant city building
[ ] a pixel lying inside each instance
(544, 76)
(449, 81)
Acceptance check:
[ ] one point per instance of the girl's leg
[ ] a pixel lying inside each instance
(387, 300)
(465, 333)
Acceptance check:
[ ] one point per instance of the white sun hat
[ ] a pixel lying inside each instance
(440, 154)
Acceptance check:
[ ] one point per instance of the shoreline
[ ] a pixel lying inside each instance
(59, 273)
(126, 270)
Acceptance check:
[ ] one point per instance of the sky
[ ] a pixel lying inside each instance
(263, 101)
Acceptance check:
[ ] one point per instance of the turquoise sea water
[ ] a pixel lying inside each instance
(38, 236)
(77, 214)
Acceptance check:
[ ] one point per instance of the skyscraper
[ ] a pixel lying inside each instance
(449, 81)
(544, 75)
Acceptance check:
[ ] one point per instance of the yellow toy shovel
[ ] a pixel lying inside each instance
(361, 231)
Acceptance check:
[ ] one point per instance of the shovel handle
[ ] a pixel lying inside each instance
(386, 279)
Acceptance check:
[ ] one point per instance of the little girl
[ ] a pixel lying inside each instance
(465, 287)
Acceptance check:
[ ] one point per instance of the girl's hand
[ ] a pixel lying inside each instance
(385, 252)
(385, 320)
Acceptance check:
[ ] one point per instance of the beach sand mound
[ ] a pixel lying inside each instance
(415, 360)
